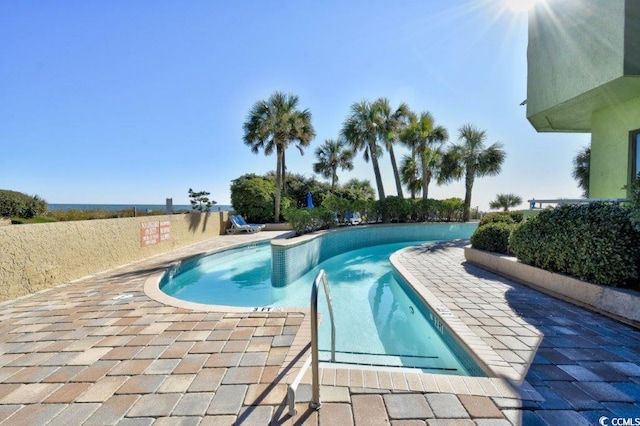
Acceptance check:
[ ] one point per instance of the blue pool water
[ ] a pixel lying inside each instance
(379, 320)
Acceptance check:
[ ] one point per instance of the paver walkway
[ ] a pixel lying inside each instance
(99, 351)
(584, 365)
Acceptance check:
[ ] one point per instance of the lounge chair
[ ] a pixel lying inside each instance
(355, 219)
(239, 224)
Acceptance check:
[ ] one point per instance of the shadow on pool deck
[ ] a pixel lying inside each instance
(78, 354)
(584, 366)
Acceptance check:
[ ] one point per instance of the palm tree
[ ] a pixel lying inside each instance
(470, 158)
(580, 172)
(333, 155)
(505, 202)
(360, 130)
(358, 189)
(410, 173)
(392, 123)
(272, 125)
(425, 139)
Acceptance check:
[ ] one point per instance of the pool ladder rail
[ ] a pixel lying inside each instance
(315, 403)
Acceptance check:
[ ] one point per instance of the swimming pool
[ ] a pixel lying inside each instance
(379, 319)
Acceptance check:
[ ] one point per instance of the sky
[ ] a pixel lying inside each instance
(118, 102)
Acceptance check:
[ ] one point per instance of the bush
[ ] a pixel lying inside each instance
(634, 203)
(338, 205)
(253, 197)
(502, 217)
(450, 209)
(493, 237)
(17, 204)
(517, 216)
(594, 242)
(395, 209)
(308, 220)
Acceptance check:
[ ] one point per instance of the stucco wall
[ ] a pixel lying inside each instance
(38, 256)
(610, 149)
(574, 47)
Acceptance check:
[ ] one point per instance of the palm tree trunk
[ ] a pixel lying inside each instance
(413, 156)
(279, 159)
(426, 180)
(284, 173)
(468, 186)
(334, 178)
(425, 173)
(396, 173)
(376, 172)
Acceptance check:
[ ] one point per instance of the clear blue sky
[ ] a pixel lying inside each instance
(134, 102)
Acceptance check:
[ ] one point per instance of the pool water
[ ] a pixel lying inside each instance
(378, 318)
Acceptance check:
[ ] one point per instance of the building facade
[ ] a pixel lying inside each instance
(584, 76)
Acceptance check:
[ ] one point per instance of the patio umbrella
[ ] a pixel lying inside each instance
(309, 201)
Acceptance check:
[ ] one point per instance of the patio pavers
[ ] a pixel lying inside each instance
(100, 351)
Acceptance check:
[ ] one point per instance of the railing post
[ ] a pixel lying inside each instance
(315, 368)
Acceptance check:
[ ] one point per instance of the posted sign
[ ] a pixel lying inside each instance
(154, 232)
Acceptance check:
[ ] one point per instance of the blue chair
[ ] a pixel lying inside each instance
(239, 224)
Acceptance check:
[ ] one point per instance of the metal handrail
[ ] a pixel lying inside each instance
(315, 369)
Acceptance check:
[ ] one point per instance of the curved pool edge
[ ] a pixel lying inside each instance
(293, 257)
(152, 290)
(488, 359)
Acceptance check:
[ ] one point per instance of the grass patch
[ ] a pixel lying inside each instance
(38, 219)
(73, 215)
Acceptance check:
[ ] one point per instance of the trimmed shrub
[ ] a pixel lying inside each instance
(501, 217)
(338, 205)
(450, 209)
(396, 209)
(594, 242)
(634, 203)
(517, 216)
(308, 220)
(493, 237)
(424, 210)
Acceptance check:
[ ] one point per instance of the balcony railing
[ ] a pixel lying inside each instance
(539, 204)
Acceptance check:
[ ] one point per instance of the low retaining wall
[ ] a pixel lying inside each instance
(38, 256)
(622, 305)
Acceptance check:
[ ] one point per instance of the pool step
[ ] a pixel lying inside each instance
(431, 363)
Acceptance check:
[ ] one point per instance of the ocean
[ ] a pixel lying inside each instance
(140, 207)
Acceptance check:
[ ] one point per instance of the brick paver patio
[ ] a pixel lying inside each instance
(100, 351)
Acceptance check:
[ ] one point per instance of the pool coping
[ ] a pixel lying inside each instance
(492, 363)
(502, 381)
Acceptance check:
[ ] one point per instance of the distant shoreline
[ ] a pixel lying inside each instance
(140, 207)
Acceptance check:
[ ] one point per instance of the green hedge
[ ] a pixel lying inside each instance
(493, 237)
(634, 202)
(594, 242)
(308, 220)
(501, 217)
(395, 209)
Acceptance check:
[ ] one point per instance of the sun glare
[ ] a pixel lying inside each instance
(518, 6)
